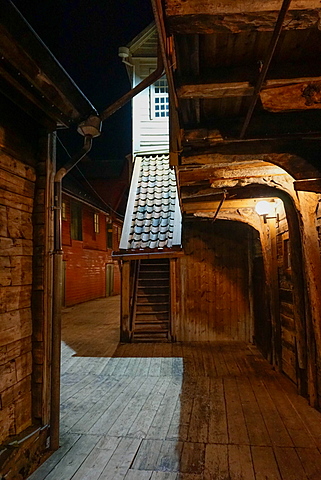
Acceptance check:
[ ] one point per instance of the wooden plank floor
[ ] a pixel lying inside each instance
(175, 411)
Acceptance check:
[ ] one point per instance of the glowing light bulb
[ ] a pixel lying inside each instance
(263, 207)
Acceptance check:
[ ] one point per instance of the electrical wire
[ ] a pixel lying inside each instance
(87, 181)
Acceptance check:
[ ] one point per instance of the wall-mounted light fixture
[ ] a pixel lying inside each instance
(265, 208)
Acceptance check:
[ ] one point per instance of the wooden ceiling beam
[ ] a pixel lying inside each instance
(219, 159)
(246, 76)
(239, 89)
(265, 125)
(308, 185)
(213, 193)
(191, 207)
(201, 139)
(215, 90)
(192, 176)
(261, 19)
(217, 7)
(203, 165)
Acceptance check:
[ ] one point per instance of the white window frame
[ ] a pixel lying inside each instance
(96, 222)
(64, 211)
(159, 98)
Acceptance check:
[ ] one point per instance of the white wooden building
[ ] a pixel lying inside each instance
(150, 108)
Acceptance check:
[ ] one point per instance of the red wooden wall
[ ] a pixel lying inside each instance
(86, 260)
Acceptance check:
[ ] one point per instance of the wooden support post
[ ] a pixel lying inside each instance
(274, 289)
(173, 302)
(298, 300)
(251, 289)
(125, 300)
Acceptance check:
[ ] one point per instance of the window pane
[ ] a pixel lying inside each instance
(76, 221)
(160, 100)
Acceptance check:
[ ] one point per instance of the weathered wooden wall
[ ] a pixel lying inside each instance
(213, 283)
(86, 260)
(261, 308)
(23, 157)
(318, 372)
(288, 328)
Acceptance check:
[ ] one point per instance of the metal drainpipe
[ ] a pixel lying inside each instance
(90, 128)
(57, 293)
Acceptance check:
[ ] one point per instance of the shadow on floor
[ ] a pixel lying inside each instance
(197, 411)
(91, 329)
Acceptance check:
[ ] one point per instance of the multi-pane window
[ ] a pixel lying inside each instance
(109, 232)
(64, 211)
(160, 102)
(96, 222)
(76, 221)
(118, 235)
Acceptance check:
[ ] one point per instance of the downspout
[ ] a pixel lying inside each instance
(90, 129)
(57, 293)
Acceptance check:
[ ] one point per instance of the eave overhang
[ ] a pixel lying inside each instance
(33, 78)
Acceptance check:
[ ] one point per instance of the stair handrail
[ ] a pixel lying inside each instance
(133, 297)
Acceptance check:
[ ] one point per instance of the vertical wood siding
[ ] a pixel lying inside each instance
(214, 283)
(288, 329)
(318, 226)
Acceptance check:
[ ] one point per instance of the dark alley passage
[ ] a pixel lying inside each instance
(167, 411)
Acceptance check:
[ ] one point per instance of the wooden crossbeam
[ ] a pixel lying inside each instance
(190, 207)
(193, 176)
(216, 7)
(271, 125)
(308, 185)
(237, 16)
(292, 87)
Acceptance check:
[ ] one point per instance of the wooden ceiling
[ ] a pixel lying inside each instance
(245, 80)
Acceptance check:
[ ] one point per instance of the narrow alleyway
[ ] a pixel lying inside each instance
(150, 411)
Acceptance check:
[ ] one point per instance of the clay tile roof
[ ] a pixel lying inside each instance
(153, 219)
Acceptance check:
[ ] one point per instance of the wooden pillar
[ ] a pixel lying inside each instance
(274, 290)
(299, 313)
(125, 302)
(42, 279)
(312, 270)
(251, 290)
(173, 281)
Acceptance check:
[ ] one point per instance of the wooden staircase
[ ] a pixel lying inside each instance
(151, 305)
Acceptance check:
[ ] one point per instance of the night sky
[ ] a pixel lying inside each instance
(84, 36)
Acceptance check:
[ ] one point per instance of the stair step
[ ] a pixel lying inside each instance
(152, 307)
(144, 269)
(153, 294)
(153, 325)
(152, 316)
(143, 304)
(149, 285)
(150, 299)
(157, 281)
(153, 291)
(148, 339)
(145, 331)
(145, 328)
